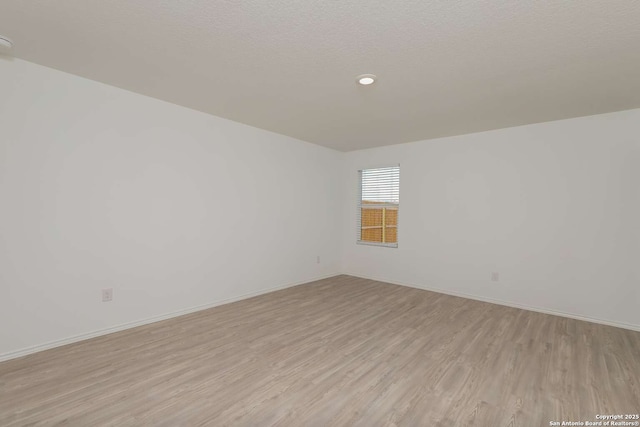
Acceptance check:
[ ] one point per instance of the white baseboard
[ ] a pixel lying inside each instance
(505, 303)
(129, 325)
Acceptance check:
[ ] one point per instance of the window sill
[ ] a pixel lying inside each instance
(384, 245)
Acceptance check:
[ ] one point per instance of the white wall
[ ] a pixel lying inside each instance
(172, 208)
(553, 207)
(175, 209)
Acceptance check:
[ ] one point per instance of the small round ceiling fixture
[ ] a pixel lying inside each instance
(366, 79)
(5, 43)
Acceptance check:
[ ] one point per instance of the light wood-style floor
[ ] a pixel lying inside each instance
(342, 351)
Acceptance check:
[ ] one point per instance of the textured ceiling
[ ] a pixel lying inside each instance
(445, 67)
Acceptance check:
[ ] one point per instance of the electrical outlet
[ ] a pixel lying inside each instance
(318, 260)
(107, 295)
(495, 276)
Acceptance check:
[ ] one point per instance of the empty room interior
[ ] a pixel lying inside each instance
(302, 213)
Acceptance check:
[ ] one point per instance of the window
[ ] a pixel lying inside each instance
(378, 203)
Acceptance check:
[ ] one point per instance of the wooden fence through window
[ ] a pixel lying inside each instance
(379, 224)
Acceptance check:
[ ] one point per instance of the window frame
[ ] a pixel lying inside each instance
(360, 206)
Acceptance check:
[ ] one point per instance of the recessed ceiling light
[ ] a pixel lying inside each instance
(5, 43)
(366, 79)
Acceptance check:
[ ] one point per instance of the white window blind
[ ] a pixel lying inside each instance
(378, 206)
